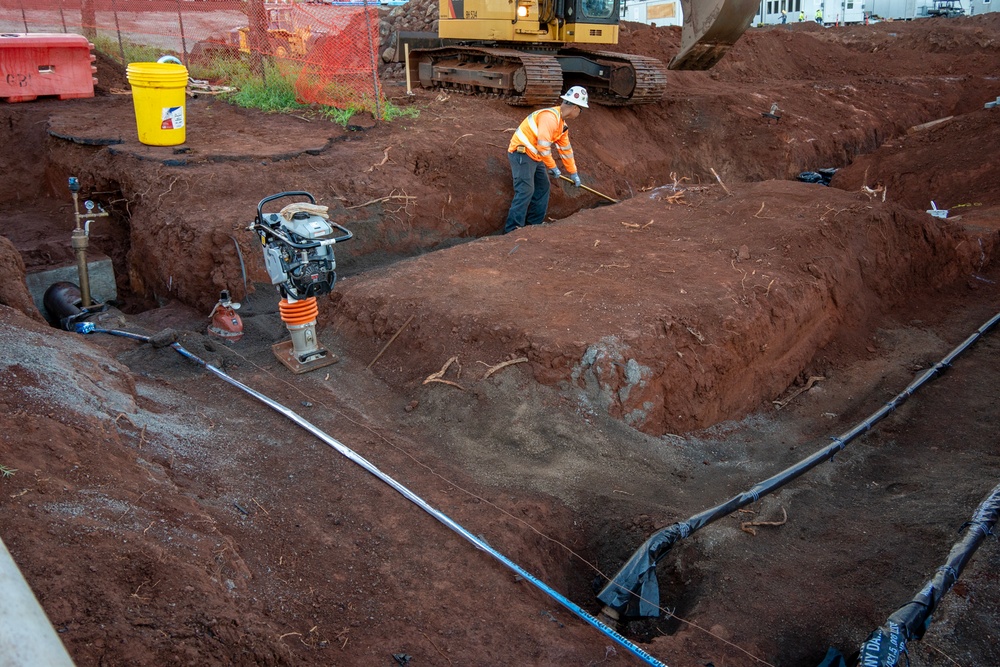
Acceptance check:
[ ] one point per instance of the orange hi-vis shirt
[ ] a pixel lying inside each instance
(538, 132)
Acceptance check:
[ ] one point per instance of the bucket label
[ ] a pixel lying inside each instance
(172, 118)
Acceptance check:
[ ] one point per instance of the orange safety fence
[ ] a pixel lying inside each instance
(328, 50)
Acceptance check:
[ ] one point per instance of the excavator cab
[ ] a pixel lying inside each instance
(525, 51)
(599, 9)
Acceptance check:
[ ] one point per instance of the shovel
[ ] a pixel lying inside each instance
(584, 187)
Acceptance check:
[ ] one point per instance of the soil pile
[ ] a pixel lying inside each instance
(914, 171)
(680, 309)
(579, 361)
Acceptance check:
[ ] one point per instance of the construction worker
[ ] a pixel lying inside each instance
(530, 156)
(819, 15)
(802, 16)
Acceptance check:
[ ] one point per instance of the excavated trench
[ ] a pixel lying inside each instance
(680, 308)
(668, 317)
(647, 307)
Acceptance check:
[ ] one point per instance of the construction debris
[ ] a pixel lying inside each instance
(747, 526)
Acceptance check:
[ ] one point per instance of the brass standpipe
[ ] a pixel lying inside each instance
(80, 239)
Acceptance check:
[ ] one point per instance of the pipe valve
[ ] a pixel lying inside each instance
(81, 234)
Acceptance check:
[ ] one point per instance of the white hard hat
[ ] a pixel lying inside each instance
(576, 95)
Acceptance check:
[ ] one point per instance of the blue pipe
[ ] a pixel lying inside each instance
(479, 543)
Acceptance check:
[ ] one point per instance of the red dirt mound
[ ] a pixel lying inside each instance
(215, 532)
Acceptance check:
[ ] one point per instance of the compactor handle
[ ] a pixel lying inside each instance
(346, 236)
(260, 227)
(295, 193)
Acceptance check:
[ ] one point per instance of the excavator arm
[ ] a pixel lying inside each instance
(710, 28)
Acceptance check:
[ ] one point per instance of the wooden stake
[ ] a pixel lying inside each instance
(712, 169)
(406, 59)
(389, 342)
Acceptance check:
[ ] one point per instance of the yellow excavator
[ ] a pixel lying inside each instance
(524, 52)
(280, 35)
(285, 38)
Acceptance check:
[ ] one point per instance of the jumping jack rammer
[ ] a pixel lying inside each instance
(298, 255)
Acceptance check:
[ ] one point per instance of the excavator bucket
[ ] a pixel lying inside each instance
(710, 28)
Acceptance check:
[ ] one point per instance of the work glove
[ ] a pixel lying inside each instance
(576, 179)
(554, 172)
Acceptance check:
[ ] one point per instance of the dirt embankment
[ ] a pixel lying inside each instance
(216, 533)
(178, 221)
(670, 316)
(420, 184)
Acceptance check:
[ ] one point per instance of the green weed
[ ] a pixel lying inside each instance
(391, 112)
(7, 472)
(220, 70)
(269, 86)
(273, 92)
(339, 116)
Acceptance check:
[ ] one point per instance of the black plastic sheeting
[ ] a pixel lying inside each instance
(634, 590)
(887, 645)
(823, 176)
(833, 658)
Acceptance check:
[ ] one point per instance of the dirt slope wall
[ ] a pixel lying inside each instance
(420, 184)
(214, 533)
(704, 311)
(915, 170)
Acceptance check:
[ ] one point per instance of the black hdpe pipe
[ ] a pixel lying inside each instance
(886, 645)
(63, 302)
(478, 542)
(634, 591)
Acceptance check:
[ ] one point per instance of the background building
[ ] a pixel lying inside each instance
(835, 12)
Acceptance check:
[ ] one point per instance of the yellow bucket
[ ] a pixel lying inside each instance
(158, 95)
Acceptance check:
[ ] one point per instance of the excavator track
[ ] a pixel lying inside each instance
(650, 80)
(518, 78)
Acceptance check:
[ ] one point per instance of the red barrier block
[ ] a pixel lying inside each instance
(40, 64)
